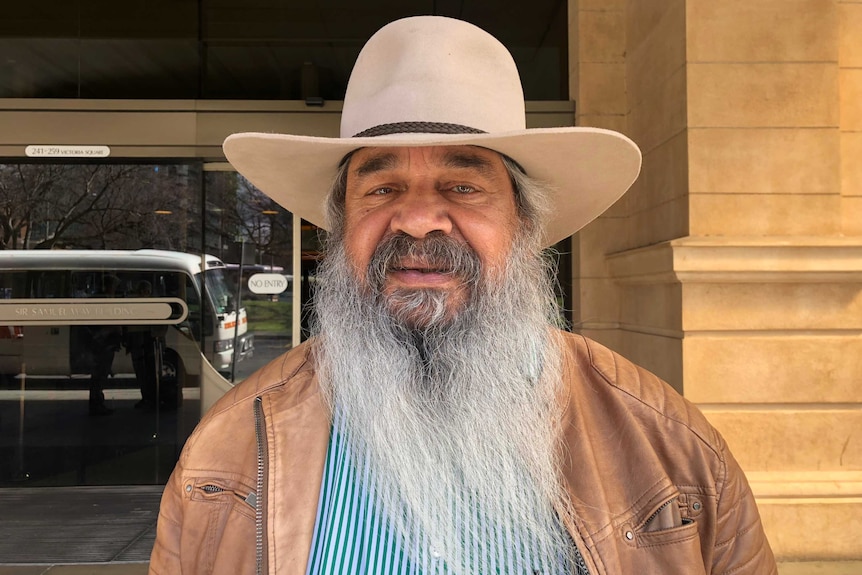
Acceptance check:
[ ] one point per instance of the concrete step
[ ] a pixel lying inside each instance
(819, 568)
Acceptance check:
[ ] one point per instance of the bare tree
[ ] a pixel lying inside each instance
(97, 206)
(262, 221)
(128, 206)
(246, 214)
(24, 193)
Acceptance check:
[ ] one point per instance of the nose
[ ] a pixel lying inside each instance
(419, 211)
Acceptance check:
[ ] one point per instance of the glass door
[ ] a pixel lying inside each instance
(118, 297)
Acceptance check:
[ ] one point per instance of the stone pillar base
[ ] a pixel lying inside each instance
(768, 343)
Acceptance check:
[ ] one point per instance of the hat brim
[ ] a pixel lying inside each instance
(588, 169)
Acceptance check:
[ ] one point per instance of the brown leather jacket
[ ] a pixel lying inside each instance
(654, 488)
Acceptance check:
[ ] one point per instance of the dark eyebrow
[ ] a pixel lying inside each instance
(463, 159)
(452, 159)
(377, 163)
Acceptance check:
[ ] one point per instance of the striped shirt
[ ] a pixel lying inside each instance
(353, 535)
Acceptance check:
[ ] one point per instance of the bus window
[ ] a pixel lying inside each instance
(49, 284)
(13, 284)
(219, 291)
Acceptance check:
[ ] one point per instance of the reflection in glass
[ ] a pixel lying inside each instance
(89, 367)
(261, 235)
(90, 393)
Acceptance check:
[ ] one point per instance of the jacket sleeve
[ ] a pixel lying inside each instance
(741, 547)
(165, 558)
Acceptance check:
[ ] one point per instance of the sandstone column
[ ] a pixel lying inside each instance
(733, 268)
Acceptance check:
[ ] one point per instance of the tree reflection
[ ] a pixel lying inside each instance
(133, 206)
(49, 206)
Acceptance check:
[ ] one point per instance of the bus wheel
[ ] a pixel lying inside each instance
(172, 378)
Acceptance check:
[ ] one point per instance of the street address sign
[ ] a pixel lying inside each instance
(51, 151)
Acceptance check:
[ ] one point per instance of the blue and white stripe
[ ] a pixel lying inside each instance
(353, 535)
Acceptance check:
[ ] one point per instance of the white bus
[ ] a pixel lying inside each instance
(45, 294)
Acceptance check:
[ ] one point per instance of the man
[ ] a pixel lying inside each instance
(437, 422)
(102, 342)
(143, 343)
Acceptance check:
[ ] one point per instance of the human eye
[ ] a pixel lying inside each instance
(463, 189)
(381, 191)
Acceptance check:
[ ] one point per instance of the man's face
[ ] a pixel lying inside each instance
(460, 192)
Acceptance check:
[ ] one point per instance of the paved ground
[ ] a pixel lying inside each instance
(55, 525)
(109, 569)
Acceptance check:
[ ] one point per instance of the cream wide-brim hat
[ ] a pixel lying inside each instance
(436, 81)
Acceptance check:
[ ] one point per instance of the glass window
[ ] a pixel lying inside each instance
(90, 251)
(241, 49)
(255, 242)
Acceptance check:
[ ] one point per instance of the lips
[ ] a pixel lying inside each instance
(424, 268)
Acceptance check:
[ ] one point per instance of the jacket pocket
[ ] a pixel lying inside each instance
(662, 541)
(218, 527)
(663, 525)
(225, 493)
(667, 516)
(685, 532)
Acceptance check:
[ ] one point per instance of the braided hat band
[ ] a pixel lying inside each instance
(417, 128)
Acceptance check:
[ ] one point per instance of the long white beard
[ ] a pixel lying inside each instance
(457, 420)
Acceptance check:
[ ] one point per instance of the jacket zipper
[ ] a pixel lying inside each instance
(210, 488)
(261, 468)
(580, 564)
